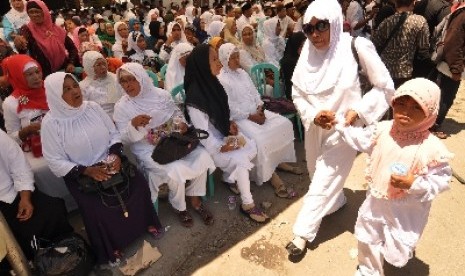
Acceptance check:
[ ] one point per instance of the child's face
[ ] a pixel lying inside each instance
(407, 112)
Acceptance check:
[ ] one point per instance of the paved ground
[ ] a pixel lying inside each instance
(236, 246)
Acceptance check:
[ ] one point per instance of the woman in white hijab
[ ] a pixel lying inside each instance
(99, 85)
(177, 65)
(273, 44)
(120, 48)
(273, 133)
(326, 82)
(139, 52)
(250, 53)
(76, 137)
(175, 36)
(216, 28)
(191, 13)
(14, 19)
(140, 116)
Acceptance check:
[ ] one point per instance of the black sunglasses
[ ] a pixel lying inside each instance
(320, 26)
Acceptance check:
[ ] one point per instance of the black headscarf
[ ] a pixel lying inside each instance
(204, 91)
(290, 58)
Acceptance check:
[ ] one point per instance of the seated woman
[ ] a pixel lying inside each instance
(177, 65)
(13, 20)
(216, 28)
(76, 137)
(120, 47)
(175, 36)
(250, 53)
(47, 43)
(230, 31)
(273, 133)
(140, 54)
(85, 41)
(273, 44)
(100, 84)
(208, 109)
(142, 116)
(23, 112)
(27, 211)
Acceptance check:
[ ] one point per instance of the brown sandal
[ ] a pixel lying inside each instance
(185, 219)
(440, 134)
(206, 215)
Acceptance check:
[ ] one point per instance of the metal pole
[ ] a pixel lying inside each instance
(14, 254)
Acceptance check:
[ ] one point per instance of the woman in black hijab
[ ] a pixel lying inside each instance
(207, 108)
(289, 60)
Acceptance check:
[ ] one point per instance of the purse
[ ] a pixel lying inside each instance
(278, 105)
(176, 145)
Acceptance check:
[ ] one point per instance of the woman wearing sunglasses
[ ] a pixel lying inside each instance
(326, 83)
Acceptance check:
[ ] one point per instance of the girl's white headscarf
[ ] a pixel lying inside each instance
(148, 19)
(151, 100)
(170, 30)
(59, 109)
(317, 70)
(190, 14)
(16, 18)
(225, 53)
(175, 71)
(215, 28)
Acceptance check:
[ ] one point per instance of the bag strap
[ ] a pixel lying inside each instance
(396, 28)
(199, 134)
(355, 53)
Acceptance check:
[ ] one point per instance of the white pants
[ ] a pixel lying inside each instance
(179, 191)
(370, 260)
(329, 159)
(243, 183)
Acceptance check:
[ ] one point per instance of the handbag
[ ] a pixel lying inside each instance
(67, 255)
(278, 105)
(176, 145)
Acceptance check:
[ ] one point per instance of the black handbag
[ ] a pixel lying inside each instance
(68, 255)
(176, 145)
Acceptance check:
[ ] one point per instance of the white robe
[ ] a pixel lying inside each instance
(102, 91)
(274, 139)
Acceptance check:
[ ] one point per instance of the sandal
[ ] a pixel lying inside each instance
(279, 188)
(254, 213)
(232, 187)
(155, 233)
(185, 219)
(440, 134)
(294, 251)
(290, 169)
(206, 215)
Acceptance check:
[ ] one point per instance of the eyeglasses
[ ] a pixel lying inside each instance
(320, 26)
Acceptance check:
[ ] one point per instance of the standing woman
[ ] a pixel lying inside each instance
(273, 44)
(325, 83)
(44, 41)
(14, 20)
(76, 136)
(289, 61)
(208, 109)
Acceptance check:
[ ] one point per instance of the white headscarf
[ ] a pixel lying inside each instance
(190, 14)
(317, 70)
(118, 38)
(132, 41)
(151, 100)
(207, 17)
(256, 52)
(170, 29)
(16, 18)
(175, 71)
(269, 29)
(225, 53)
(148, 19)
(215, 28)
(90, 84)
(217, 17)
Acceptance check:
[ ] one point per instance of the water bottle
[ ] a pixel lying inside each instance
(232, 202)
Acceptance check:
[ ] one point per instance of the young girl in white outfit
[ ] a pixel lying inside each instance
(407, 168)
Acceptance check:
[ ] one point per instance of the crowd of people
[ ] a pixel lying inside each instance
(95, 86)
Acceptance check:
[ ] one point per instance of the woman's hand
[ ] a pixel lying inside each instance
(20, 42)
(233, 129)
(258, 118)
(98, 173)
(228, 147)
(140, 120)
(402, 181)
(351, 117)
(25, 207)
(116, 165)
(325, 119)
(183, 128)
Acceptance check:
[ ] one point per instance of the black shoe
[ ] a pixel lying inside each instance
(295, 254)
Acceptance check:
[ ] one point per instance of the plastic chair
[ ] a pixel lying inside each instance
(163, 71)
(258, 75)
(154, 77)
(179, 93)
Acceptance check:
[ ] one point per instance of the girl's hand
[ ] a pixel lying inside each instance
(233, 129)
(401, 181)
(351, 117)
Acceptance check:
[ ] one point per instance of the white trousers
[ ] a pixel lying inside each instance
(370, 260)
(329, 160)
(179, 191)
(243, 183)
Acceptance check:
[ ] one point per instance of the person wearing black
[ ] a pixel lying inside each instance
(289, 60)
